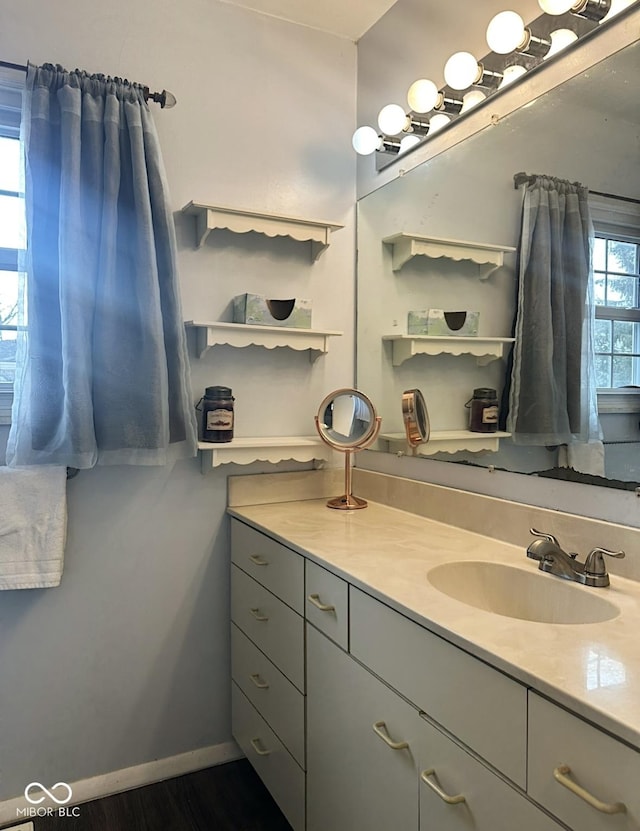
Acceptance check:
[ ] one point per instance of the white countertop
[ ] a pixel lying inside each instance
(593, 669)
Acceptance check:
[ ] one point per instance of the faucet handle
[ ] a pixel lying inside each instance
(595, 566)
(544, 536)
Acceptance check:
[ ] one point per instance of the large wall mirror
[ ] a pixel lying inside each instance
(585, 130)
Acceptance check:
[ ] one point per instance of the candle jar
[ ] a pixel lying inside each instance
(483, 411)
(216, 406)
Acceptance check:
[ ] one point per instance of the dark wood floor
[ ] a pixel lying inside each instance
(228, 797)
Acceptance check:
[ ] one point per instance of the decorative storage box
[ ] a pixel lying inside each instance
(440, 323)
(261, 311)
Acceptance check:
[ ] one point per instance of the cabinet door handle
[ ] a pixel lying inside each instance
(380, 729)
(260, 684)
(450, 800)
(561, 775)
(261, 751)
(258, 614)
(257, 560)
(324, 607)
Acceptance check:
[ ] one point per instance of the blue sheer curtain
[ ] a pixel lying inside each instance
(102, 367)
(553, 393)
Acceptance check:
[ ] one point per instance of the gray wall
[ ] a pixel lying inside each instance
(128, 660)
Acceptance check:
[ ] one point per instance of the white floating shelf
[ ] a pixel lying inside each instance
(273, 449)
(486, 256)
(484, 349)
(446, 441)
(210, 217)
(243, 334)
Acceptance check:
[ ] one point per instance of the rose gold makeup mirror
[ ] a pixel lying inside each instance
(416, 418)
(347, 421)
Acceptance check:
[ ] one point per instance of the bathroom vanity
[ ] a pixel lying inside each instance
(368, 699)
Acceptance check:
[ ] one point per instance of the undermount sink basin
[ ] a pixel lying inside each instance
(516, 593)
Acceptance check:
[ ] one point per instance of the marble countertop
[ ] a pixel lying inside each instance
(592, 668)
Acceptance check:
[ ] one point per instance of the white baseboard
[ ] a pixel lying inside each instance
(127, 778)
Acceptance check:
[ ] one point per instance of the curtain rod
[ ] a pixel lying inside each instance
(526, 179)
(165, 98)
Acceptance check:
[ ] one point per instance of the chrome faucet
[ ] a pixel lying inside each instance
(553, 560)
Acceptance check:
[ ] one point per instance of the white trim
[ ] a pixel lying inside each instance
(137, 776)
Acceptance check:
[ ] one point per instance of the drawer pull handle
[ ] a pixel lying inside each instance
(257, 560)
(380, 729)
(258, 614)
(260, 684)
(450, 800)
(261, 751)
(324, 607)
(560, 774)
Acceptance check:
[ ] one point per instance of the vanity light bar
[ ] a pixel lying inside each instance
(506, 36)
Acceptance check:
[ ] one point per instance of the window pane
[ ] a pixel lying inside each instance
(12, 227)
(622, 371)
(623, 257)
(9, 297)
(7, 357)
(622, 292)
(599, 289)
(602, 336)
(603, 371)
(9, 164)
(623, 336)
(599, 254)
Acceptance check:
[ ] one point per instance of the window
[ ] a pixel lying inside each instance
(616, 275)
(12, 234)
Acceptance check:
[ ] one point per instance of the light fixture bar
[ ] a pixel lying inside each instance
(591, 9)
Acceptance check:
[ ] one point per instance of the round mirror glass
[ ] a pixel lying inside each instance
(416, 417)
(347, 419)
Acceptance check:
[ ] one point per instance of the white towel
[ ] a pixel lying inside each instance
(33, 526)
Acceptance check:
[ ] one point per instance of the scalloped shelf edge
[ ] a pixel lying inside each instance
(487, 257)
(447, 441)
(246, 451)
(240, 335)
(483, 349)
(238, 221)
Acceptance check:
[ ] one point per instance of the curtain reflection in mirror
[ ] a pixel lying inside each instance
(552, 397)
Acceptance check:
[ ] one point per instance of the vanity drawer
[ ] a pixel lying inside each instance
(274, 696)
(484, 708)
(275, 566)
(488, 802)
(272, 761)
(273, 627)
(598, 763)
(327, 603)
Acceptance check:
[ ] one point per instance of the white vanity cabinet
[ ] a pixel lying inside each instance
(358, 718)
(267, 664)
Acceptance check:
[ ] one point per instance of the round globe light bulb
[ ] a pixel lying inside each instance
(560, 39)
(409, 141)
(505, 32)
(437, 121)
(461, 70)
(422, 96)
(510, 73)
(470, 99)
(365, 141)
(556, 6)
(392, 119)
